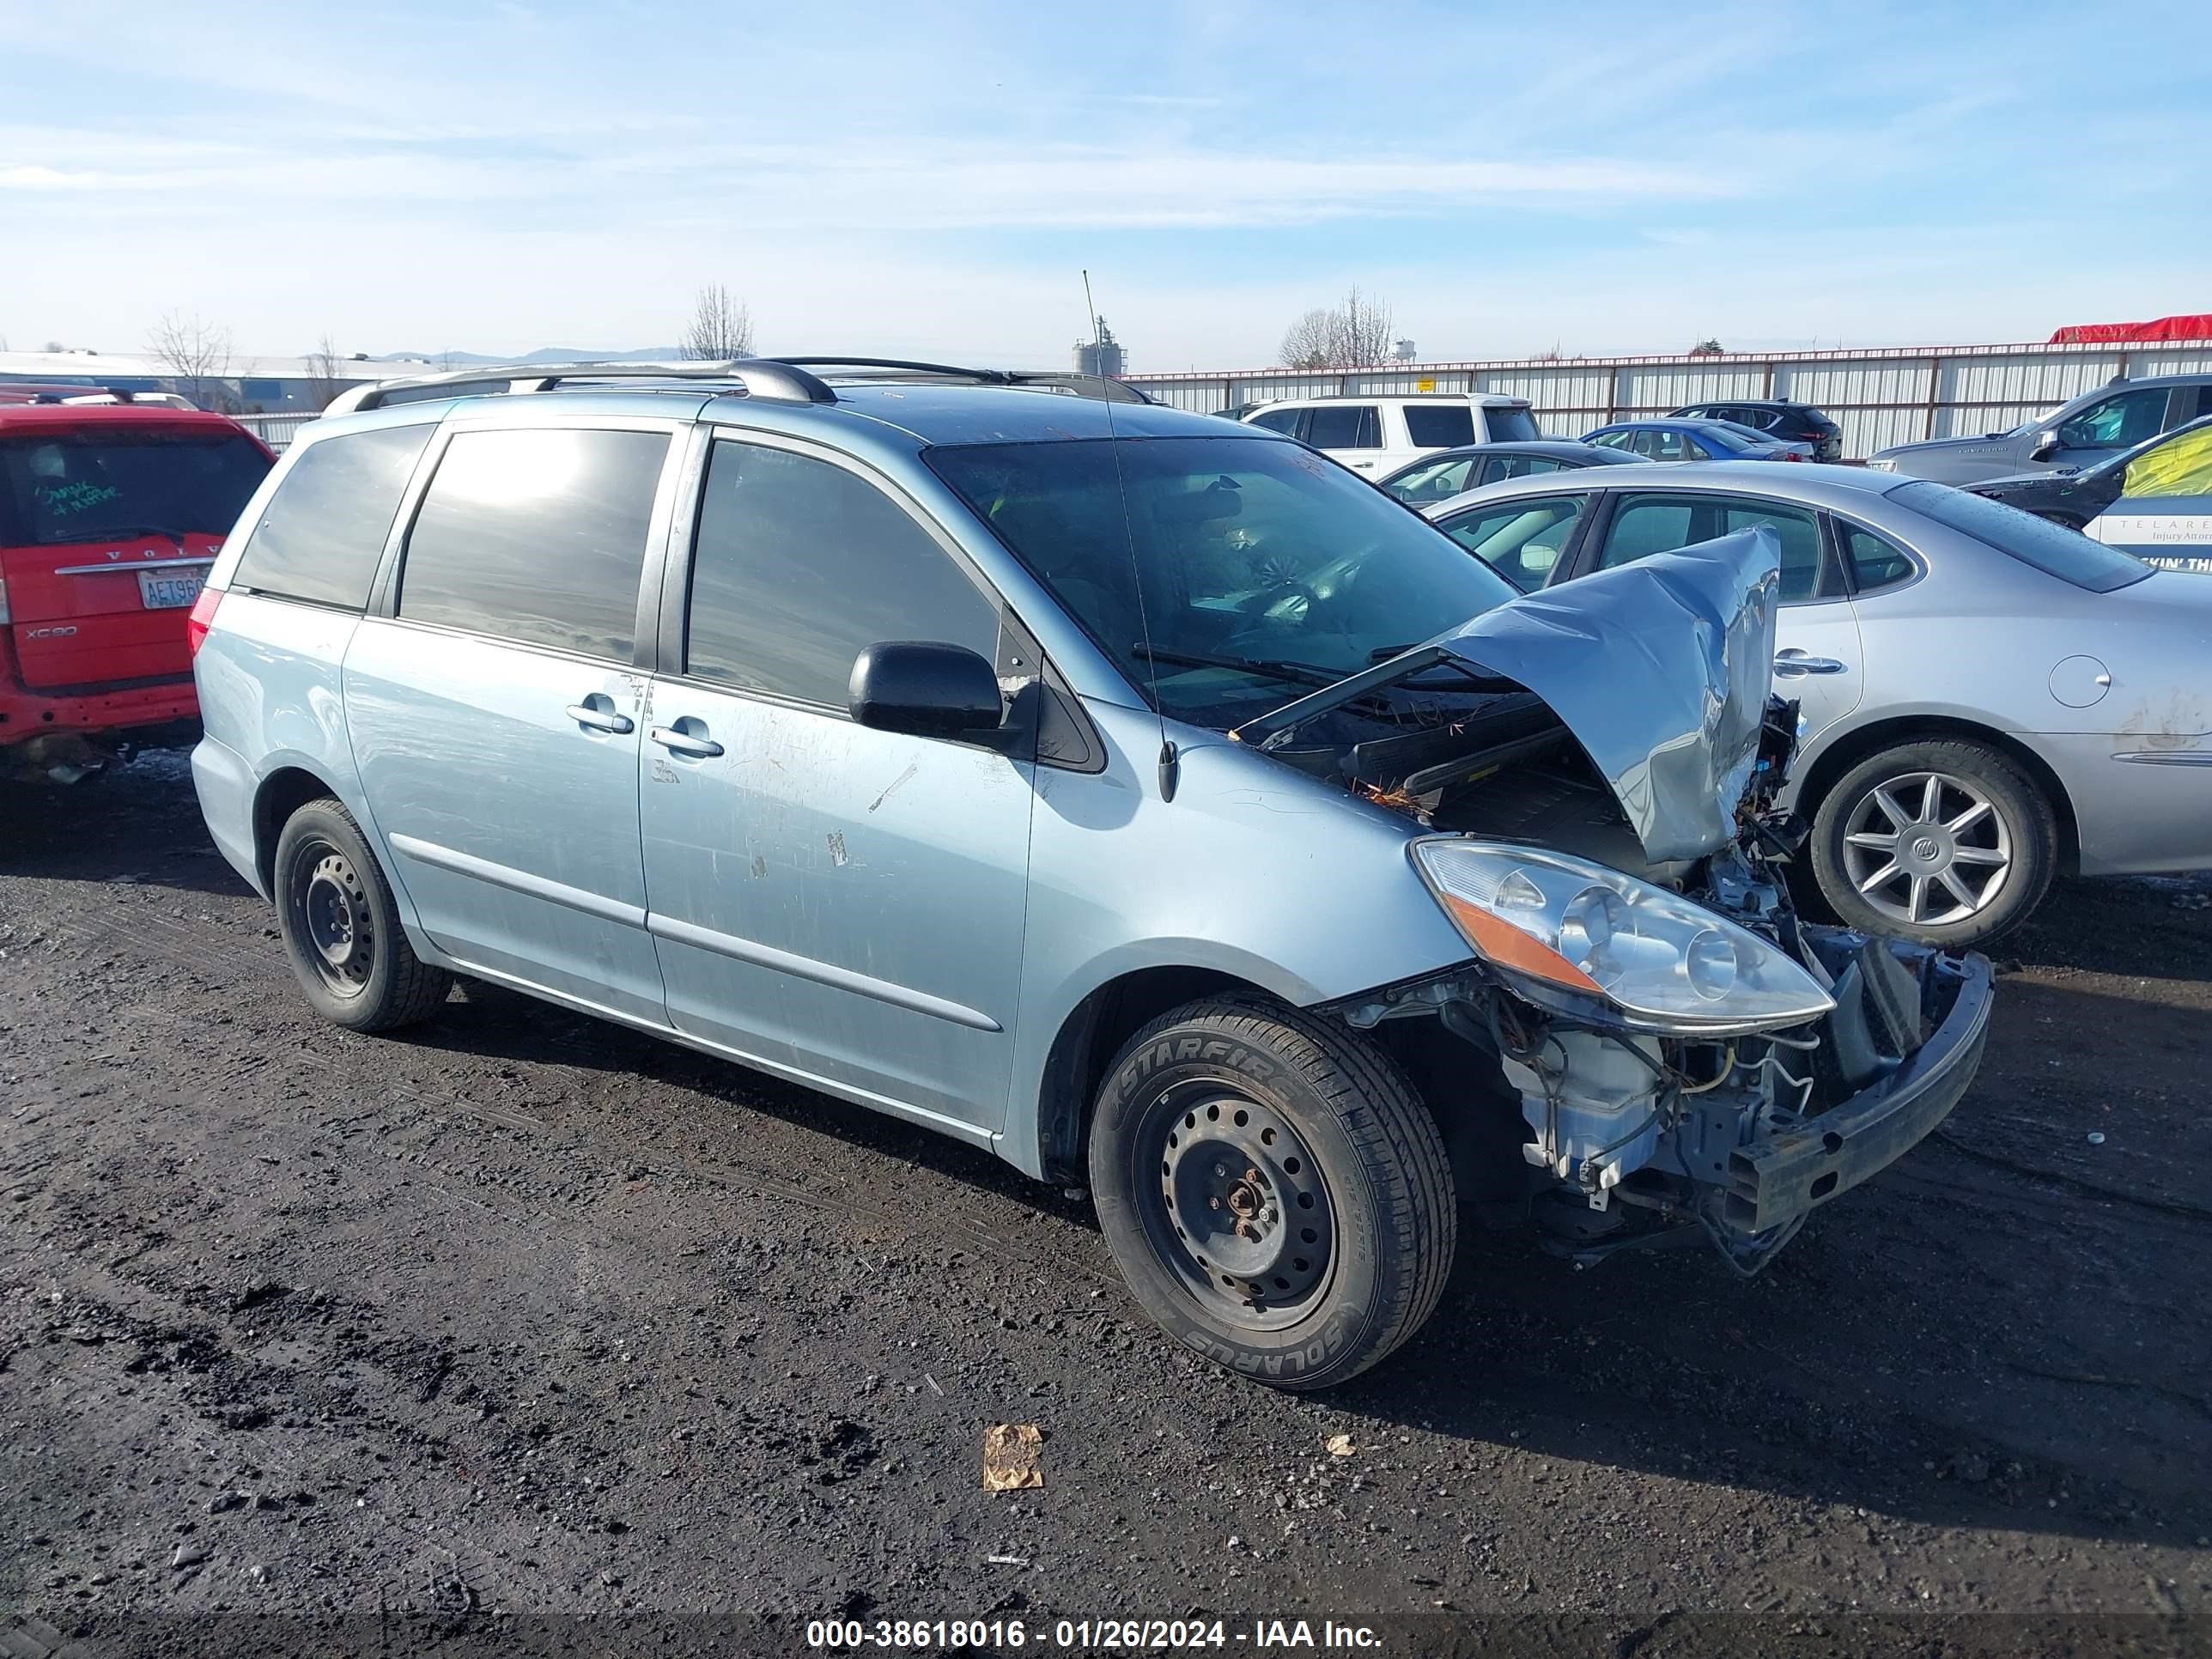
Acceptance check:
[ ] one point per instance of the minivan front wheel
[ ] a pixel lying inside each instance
(341, 926)
(1273, 1190)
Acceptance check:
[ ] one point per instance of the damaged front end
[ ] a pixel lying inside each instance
(1674, 1052)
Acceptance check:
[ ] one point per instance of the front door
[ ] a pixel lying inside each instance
(496, 718)
(839, 903)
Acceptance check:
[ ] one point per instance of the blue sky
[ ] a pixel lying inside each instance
(929, 179)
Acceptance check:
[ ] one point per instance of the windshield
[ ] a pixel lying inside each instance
(2052, 548)
(64, 489)
(1262, 568)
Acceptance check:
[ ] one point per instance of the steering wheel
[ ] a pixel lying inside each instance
(1276, 595)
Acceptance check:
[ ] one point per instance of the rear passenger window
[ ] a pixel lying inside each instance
(1644, 525)
(536, 535)
(1344, 426)
(800, 565)
(1439, 426)
(1798, 531)
(323, 530)
(1875, 563)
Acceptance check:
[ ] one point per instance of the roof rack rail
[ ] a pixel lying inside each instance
(760, 377)
(1081, 386)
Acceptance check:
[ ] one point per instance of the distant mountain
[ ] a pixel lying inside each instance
(543, 355)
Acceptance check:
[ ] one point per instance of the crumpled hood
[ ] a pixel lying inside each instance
(1662, 669)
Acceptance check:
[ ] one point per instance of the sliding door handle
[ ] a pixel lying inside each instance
(601, 719)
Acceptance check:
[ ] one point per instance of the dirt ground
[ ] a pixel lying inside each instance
(519, 1313)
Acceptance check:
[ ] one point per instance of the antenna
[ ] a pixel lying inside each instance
(1136, 572)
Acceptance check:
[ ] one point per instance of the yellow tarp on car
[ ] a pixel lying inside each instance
(2183, 467)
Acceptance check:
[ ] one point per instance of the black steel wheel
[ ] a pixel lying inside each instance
(1241, 1211)
(341, 926)
(1273, 1189)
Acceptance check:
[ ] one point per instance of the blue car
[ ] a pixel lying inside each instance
(1696, 440)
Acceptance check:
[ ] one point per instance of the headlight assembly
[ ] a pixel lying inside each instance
(1665, 964)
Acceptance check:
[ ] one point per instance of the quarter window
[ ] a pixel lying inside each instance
(323, 530)
(1875, 563)
(1285, 421)
(800, 565)
(536, 535)
(1439, 426)
(1344, 426)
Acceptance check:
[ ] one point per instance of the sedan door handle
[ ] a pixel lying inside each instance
(1793, 665)
(601, 719)
(683, 743)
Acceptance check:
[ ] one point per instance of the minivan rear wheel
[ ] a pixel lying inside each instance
(1273, 1191)
(341, 926)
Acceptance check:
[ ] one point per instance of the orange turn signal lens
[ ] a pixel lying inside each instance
(1503, 942)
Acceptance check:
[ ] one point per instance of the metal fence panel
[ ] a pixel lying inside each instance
(277, 431)
(1881, 396)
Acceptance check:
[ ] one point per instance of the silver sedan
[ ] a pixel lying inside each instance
(1986, 698)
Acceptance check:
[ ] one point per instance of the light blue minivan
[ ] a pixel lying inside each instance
(1145, 798)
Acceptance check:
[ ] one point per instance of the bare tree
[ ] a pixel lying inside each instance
(323, 383)
(1368, 335)
(720, 327)
(1310, 341)
(1355, 333)
(1709, 347)
(196, 354)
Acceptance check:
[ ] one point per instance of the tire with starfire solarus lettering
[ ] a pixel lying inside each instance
(1274, 1190)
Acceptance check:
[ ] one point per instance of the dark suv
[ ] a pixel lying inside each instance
(1778, 417)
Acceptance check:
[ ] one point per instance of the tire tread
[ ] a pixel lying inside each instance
(1400, 1148)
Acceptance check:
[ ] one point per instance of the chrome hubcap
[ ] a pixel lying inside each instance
(1240, 1214)
(1927, 848)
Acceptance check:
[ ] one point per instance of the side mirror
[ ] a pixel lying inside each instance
(2046, 446)
(924, 688)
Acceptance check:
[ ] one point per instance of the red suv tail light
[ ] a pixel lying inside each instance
(202, 618)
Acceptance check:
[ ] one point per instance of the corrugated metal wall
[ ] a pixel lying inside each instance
(1891, 396)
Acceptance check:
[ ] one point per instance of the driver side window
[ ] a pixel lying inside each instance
(2117, 422)
(1433, 481)
(1521, 540)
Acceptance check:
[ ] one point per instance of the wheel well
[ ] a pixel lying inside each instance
(1887, 734)
(1089, 1039)
(283, 793)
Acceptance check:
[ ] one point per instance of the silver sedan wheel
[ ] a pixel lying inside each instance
(1927, 848)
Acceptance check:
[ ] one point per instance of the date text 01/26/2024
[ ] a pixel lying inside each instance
(1086, 1635)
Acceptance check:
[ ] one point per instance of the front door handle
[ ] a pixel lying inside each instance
(1793, 665)
(683, 743)
(601, 719)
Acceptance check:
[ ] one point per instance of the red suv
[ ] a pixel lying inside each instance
(110, 515)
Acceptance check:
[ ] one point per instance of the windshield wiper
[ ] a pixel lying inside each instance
(1291, 673)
